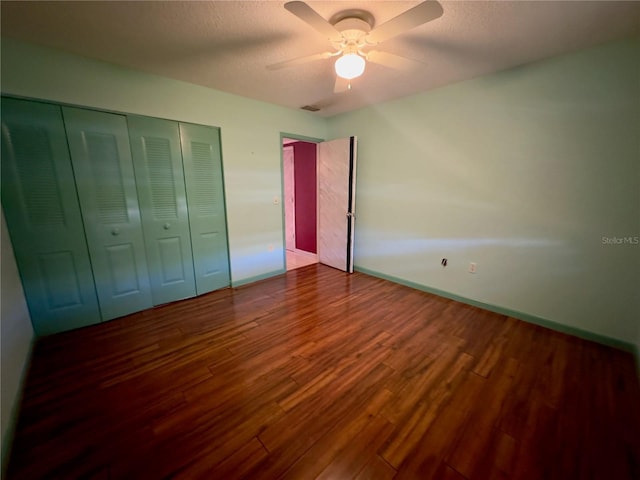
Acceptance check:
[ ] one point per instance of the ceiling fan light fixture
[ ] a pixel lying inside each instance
(349, 66)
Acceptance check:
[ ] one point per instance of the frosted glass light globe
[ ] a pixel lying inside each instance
(350, 65)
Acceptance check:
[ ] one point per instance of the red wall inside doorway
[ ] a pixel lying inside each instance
(305, 192)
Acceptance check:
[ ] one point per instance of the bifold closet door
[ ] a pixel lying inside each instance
(157, 161)
(43, 217)
(101, 157)
(205, 199)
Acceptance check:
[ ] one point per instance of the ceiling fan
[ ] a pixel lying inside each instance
(352, 35)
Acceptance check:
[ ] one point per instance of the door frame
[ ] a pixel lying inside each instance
(289, 196)
(302, 138)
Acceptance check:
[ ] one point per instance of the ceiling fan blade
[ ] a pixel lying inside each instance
(342, 85)
(307, 14)
(299, 61)
(422, 13)
(392, 61)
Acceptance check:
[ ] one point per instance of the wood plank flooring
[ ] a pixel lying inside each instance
(320, 374)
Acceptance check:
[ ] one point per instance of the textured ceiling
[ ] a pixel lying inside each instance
(226, 45)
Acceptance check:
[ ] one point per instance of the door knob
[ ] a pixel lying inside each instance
(115, 231)
(167, 226)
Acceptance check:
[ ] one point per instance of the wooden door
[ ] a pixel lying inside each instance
(336, 202)
(289, 197)
(101, 158)
(202, 160)
(157, 162)
(43, 217)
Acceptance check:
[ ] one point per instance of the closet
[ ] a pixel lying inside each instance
(41, 207)
(110, 214)
(101, 159)
(205, 197)
(155, 146)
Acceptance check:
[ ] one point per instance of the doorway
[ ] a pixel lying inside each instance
(319, 193)
(299, 161)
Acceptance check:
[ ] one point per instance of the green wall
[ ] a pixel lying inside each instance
(250, 132)
(15, 341)
(523, 172)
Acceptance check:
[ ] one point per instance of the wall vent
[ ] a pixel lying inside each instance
(310, 108)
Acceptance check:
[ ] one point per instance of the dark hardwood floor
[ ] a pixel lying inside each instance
(319, 374)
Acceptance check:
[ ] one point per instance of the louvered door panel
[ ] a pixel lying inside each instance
(43, 216)
(205, 198)
(102, 163)
(157, 159)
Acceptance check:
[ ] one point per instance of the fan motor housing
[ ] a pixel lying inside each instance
(353, 28)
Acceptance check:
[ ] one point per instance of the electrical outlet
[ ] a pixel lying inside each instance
(473, 266)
